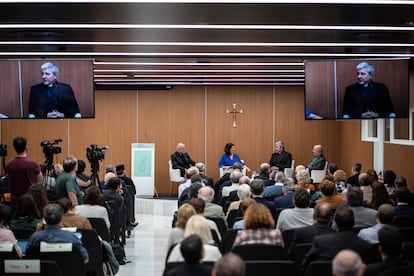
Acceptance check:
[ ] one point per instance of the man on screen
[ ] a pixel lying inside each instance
(52, 99)
(367, 99)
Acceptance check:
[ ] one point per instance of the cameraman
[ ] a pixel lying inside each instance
(66, 185)
(22, 170)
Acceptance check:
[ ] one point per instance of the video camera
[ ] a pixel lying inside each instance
(95, 153)
(48, 147)
(3, 150)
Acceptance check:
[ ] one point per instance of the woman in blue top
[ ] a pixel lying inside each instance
(230, 157)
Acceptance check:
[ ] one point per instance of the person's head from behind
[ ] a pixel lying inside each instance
(243, 191)
(70, 164)
(206, 193)
(389, 177)
(198, 225)
(365, 72)
(93, 196)
(303, 177)
(229, 148)
(193, 189)
(192, 249)
(49, 73)
(327, 187)
(373, 174)
(39, 194)
(27, 207)
(400, 181)
(66, 204)
(355, 197)
(403, 195)
(340, 176)
(20, 144)
(379, 194)
(201, 167)
(184, 213)
(364, 179)
(114, 183)
(4, 213)
(301, 198)
(58, 169)
(191, 171)
(81, 166)
(344, 219)
(196, 178)
(53, 213)
(391, 242)
(322, 213)
(245, 203)
(288, 187)
(258, 216)
(198, 204)
(108, 176)
(235, 176)
(278, 177)
(332, 168)
(229, 264)
(356, 168)
(385, 214)
(265, 168)
(257, 187)
(347, 263)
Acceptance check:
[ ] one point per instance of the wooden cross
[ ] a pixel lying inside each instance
(234, 111)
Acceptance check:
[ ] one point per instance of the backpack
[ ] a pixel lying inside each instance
(119, 253)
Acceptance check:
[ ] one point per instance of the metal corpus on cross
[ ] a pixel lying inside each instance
(234, 111)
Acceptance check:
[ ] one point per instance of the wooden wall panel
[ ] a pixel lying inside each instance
(9, 90)
(400, 159)
(167, 118)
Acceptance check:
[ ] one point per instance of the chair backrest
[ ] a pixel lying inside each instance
(221, 225)
(175, 175)
(251, 252)
(231, 216)
(70, 263)
(298, 254)
(228, 240)
(47, 267)
(287, 237)
(319, 268)
(289, 171)
(7, 251)
(404, 221)
(318, 175)
(407, 233)
(91, 242)
(22, 233)
(101, 229)
(270, 268)
(408, 251)
(172, 265)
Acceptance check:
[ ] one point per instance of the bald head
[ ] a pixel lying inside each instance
(385, 214)
(180, 148)
(347, 263)
(322, 213)
(229, 265)
(317, 150)
(364, 179)
(206, 193)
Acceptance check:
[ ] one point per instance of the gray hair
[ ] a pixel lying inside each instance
(280, 144)
(243, 191)
(363, 65)
(53, 213)
(347, 263)
(49, 65)
(235, 176)
(206, 193)
(200, 166)
(280, 177)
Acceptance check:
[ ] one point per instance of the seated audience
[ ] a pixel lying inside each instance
(265, 174)
(229, 264)
(198, 225)
(7, 236)
(92, 206)
(52, 232)
(403, 207)
(27, 215)
(299, 216)
(322, 217)
(193, 253)
(391, 245)
(199, 206)
(257, 188)
(113, 192)
(82, 179)
(185, 212)
(380, 195)
(259, 227)
(364, 217)
(245, 203)
(365, 182)
(190, 192)
(385, 216)
(242, 192)
(211, 210)
(340, 180)
(188, 174)
(325, 247)
(39, 194)
(332, 168)
(70, 218)
(329, 194)
(206, 179)
(356, 170)
(286, 200)
(66, 182)
(275, 190)
(235, 176)
(304, 181)
(347, 263)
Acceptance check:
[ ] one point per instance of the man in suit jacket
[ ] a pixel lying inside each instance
(390, 248)
(181, 159)
(280, 159)
(356, 170)
(318, 159)
(325, 247)
(257, 188)
(322, 217)
(52, 99)
(367, 99)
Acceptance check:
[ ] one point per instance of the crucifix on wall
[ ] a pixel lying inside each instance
(234, 111)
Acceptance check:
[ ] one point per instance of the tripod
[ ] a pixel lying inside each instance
(94, 172)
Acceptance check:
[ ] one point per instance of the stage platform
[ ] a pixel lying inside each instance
(155, 206)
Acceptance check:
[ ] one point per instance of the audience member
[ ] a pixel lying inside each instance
(380, 195)
(82, 179)
(318, 159)
(38, 192)
(403, 207)
(52, 232)
(304, 181)
(328, 190)
(224, 180)
(70, 218)
(385, 216)
(57, 169)
(183, 215)
(92, 206)
(340, 180)
(199, 206)
(258, 227)
(280, 159)
(245, 203)
(322, 217)
(332, 168)
(229, 265)
(113, 193)
(275, 190)
(66, 182)
(373, 174)
(365, 182)
(212, 210)
(235, 176)
(364, 217)
(265, 174)
(27, 215)
(206, 179)
(286, 200)
(325, 247)
(193, 253)
(7, 236)
(188, 174)
(257, 189)
(356, 170)
(299, 216)
(242, 192)
(347, 263)
(181, 160)
(190, 192)
(391, 245)
(389, 178)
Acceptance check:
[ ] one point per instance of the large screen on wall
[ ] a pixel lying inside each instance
(46, 89)
(356, 89)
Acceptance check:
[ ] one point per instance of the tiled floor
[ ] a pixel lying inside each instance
(147, 246)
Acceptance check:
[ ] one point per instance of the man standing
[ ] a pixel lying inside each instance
(66, 182)
(367, 99)
(181, 160)
(318, 160)
(52, 99)
(22, 170)
(280, 159)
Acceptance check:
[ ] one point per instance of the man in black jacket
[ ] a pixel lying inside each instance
(181, 159)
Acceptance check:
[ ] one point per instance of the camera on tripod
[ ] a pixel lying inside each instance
(3, 150)
(49, 149)
(95, 153)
